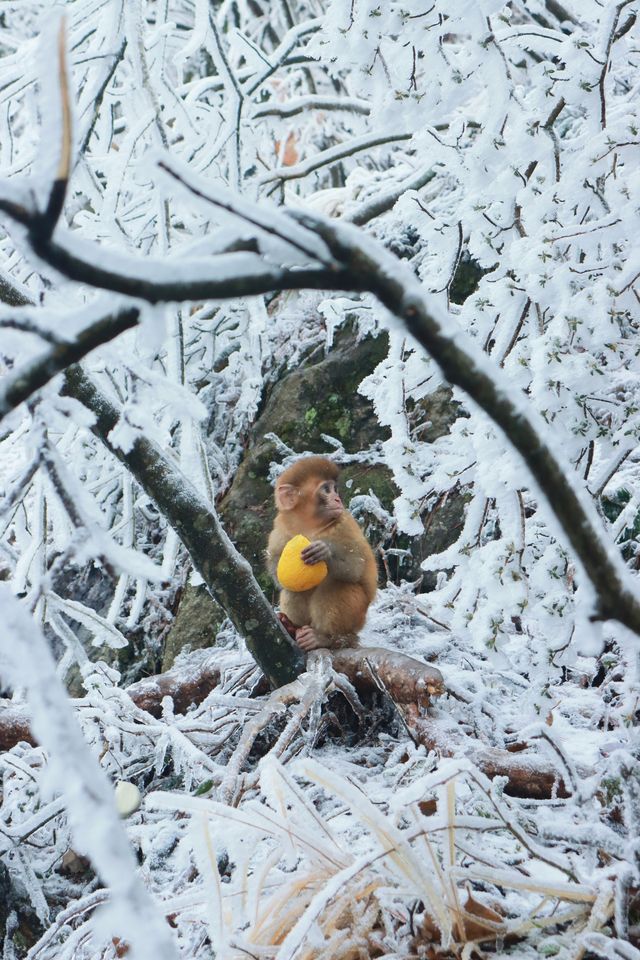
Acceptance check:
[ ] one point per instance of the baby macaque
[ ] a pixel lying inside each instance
(308, 503)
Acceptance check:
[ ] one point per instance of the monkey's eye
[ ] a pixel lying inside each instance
(329, 487)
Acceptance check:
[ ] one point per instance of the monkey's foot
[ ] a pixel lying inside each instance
(307, 639)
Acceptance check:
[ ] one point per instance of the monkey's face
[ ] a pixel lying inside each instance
(328, 502)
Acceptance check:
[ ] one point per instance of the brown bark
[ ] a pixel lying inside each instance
(186, 687)
(530, 775)
(14, 726)
(405, 680)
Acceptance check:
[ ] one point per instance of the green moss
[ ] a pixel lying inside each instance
(357, 479)
(343, 426)
(465, 280)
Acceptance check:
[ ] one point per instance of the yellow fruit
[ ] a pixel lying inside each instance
(293, 573)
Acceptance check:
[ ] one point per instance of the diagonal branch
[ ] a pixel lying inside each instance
(225, 572)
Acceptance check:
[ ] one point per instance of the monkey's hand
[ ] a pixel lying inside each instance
(316, 552)
(307, 639)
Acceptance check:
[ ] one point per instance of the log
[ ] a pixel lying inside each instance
(406, 680)
(187, 685)
(530, 776)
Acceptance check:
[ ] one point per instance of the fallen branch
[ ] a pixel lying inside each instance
(530, 775)
(189, 683)
(187, 686)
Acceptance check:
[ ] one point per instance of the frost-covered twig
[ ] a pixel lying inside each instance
(25, 659)
(370, 209)
(311, 102)
(333, 155)
(289, 42)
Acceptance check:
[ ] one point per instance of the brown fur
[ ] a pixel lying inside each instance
(336, 609)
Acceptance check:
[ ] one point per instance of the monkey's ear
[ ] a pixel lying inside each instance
(286, 496)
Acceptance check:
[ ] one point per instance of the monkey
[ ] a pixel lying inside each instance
(308, 502)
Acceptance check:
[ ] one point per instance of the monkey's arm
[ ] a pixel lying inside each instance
(344, 549)
(346, 561)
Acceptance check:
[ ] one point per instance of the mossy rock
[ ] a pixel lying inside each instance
(321, 398)
(316, 399)
(195, 626)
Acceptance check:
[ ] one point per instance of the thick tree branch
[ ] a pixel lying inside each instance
(225, 572)
(234, 275)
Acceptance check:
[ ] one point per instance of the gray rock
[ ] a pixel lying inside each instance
(195, 626)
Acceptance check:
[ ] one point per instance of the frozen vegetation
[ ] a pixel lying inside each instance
(192, 196)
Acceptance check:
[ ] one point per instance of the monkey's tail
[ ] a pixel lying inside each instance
(288, 625)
